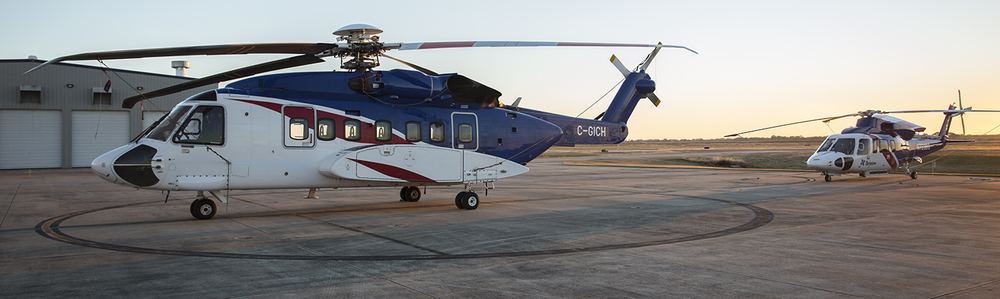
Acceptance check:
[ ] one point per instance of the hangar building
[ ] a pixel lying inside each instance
(61, 116)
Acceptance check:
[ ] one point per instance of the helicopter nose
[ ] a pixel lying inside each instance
(822, 163)
(102, 165)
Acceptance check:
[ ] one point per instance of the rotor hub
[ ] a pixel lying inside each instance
(363, 47)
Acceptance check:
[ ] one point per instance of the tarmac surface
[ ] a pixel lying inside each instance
(557, 231)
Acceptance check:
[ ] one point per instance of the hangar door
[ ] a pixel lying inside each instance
(30, 139)
(97, 132)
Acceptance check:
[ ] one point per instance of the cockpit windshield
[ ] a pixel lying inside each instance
(169, 124)
(826, 145)
(841, 145)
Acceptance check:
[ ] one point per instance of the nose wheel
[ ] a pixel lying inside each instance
(203, 208)
(828, 178)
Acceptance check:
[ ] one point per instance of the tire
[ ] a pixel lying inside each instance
(862, 174)
(410, 194)
(203, 209)
(913, 175)
(458, 199)
(828, 178)
(470, 201)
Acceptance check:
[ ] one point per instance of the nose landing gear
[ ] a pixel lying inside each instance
(203, 208)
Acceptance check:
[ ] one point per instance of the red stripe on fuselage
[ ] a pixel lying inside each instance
(394, 171)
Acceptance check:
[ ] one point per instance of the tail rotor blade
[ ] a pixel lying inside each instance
(649, 59)
(621, 66)
(962, 116)
(653, 98)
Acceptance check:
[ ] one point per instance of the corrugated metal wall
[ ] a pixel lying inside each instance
(68, 87)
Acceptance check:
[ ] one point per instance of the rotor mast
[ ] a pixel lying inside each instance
(363, 45)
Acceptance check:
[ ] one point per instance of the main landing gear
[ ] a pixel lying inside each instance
(467, 199)
(409, 194)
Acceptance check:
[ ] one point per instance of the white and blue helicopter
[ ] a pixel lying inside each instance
(878, 143)
(355, 128)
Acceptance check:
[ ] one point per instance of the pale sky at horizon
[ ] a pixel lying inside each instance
(762, 63)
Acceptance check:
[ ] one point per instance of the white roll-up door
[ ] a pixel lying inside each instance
(97, 132)
(30, 139)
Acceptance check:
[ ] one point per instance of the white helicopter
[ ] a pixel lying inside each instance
(356, 128)
(878, 143)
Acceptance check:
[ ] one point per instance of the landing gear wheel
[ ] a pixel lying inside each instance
(863, 174)
(913, 175)
(409, 194)
(468, 200)
(203, 208)
(828, 178)
(458, 200)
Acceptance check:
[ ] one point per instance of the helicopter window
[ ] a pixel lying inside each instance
(864, 147)
(826, 145)
(205, 125)
(352, 130)
(169, 124)
(412, 131)
(325, 129)
(883, 145)
(298, 128)
(844, 146)
(464, 133)
(437, 132)
(383, 130)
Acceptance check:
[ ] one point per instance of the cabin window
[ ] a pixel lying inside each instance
(205, 125)
(352, 130)
(383, 130)
(883, 145)
(413, 131)
(864, 147)
(844, 146)
(437, 132)
(325, 129)
(464, 133)
(298, 128)
(169, 124)
(826, 145)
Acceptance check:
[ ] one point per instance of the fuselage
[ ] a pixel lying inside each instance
(343, 129)
(870, 153)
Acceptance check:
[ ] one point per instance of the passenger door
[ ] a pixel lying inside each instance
(299, 126)
(464, 131)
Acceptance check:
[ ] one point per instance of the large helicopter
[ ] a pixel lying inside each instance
(356, 128)
(878, 143)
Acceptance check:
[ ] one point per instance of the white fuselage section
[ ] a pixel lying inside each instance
(263, 147)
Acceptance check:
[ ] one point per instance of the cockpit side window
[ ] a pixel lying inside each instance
(844, 146)
(205, 125)
(169, 124)
(826, 145)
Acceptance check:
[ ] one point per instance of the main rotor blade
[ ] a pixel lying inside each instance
(473, 44)
(230, 75)
(413, 66)
(824, 119)
(235, 49)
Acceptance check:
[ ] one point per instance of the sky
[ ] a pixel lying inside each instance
(761, 63)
